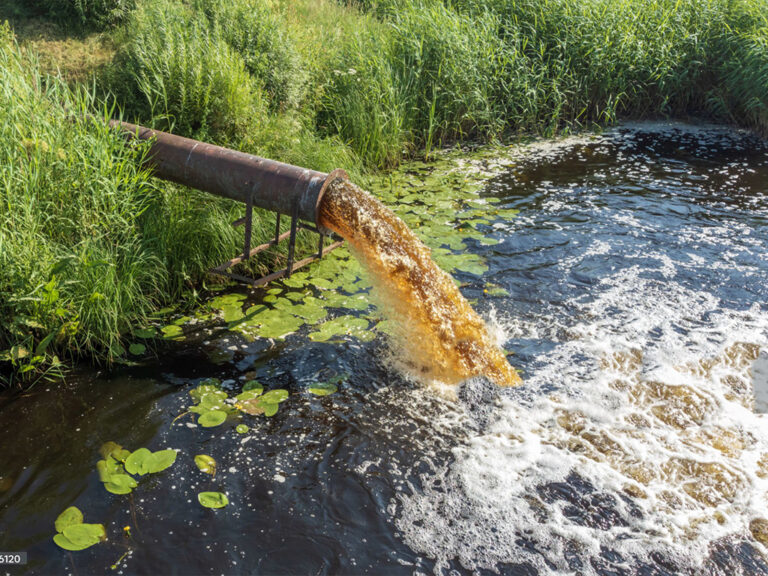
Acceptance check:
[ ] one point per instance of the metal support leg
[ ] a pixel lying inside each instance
(320, 246)
(248, 227)
(292, 241)
(277, 228)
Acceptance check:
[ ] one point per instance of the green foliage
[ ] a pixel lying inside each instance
(90, 245)
(212, 499)
(176, 68)
(256, 32)
(73, 534)
(118, 464)
(442, 70)
(206, 464)
(211, 404)
(92, 13)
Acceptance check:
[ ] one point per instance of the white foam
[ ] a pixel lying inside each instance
(477, 508)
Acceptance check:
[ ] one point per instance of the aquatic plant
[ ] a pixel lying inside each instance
(118, 465)
(73, 534)
(212, 499)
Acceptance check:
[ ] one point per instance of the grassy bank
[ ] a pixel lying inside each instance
(90, 245)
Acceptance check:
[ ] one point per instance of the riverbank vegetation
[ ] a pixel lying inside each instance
(90, 245)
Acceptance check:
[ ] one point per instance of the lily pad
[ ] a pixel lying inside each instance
(266, 404)
(252, 385)
(206, 387)
(241, 428)
(212, 499)
(80, 536)
(206, 464)
(137, 349)
(247, 395)
(73, 534)
(323, 388)
(109, 448)
(69, 517)
(172, 332)
(160, 460)
(269, 409)
(212, 418)
(342, 326)
(120, 484)
(145, 333)
(274, 396)
(136, 462)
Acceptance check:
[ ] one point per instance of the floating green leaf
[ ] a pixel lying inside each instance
(80, 536)
(108, 448)
(69, 517)
(159, 461)
(145, 333)
(274, 396)
(172, 332)
(212, 499)
(241, 428)
(269, 409)
(252, 385)
(73, 534)
(266, 404)
(495, 290)
(136, 462)
(248, 395)
(341, 326)
(106, 468)
(206, 387)
(120, 484)
(137, 349)
(323, 388)
(212, 418)
(206, 464)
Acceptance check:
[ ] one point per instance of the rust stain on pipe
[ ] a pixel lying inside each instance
(272, 185)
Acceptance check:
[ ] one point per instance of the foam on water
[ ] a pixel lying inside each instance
(635, 440)
(658, 423)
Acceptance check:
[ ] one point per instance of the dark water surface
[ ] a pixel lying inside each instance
(637, 273)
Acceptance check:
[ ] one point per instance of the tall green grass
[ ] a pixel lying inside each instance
(90, 244)
(175, 70)
(90, 13)
(442, 70)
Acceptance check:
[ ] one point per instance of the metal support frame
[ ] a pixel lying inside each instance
(257, 182)
(291, 265)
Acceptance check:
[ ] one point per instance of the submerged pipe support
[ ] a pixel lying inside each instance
(272, 185)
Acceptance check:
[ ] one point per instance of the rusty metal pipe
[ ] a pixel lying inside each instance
(271, 185)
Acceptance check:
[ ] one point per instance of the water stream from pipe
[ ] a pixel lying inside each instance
(442, 338)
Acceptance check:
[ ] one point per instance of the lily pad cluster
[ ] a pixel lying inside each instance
(119, 466)
(211, 405)
(253, 402)
(439, 200)
(73, 534)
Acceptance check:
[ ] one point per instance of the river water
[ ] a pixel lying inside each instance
(636, 290)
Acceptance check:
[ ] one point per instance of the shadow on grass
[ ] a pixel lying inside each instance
(60, 47)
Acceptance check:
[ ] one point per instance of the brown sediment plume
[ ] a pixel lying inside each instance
(439, 332)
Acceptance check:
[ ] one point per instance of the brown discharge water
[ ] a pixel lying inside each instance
(439, 332)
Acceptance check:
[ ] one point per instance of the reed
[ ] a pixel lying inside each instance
(90, 244)
(89, 13)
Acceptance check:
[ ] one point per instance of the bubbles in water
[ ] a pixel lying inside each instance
(635, 441)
